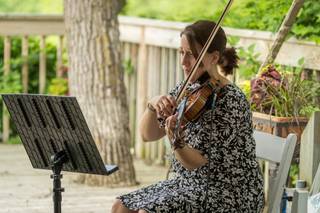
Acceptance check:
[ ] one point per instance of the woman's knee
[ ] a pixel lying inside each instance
(142, 211)
(117, 206)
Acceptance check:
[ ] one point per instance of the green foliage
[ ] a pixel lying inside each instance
(33, 64)
(33, 61)
(58, 86)
(128, 67)
(308, 22)
(31, 6)
(247, 14)
(245, 87)
(12, 83)
(185, 10)
(293, 174)
(14, 140)
(261, 15)
(249, 64)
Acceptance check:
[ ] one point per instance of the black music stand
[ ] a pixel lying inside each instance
(55, 136)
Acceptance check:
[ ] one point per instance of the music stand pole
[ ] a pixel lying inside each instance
(57, 161)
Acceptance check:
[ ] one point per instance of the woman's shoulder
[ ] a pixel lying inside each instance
(233, 99)
(232, 92)
(174, 91)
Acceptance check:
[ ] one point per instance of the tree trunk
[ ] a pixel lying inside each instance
(283, 32)
(96, 79)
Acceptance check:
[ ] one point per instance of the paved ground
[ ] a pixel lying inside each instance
(28, 190)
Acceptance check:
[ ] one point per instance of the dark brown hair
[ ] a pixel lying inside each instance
(199, 32)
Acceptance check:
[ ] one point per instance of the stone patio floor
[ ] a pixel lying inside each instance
(28, 190)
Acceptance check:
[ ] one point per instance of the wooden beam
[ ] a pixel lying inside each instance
(59, 65)
(167, 34)
(25, 71)
(31, 25)
(310, 149)
(142, 84)
(42, 65)
(6, 69)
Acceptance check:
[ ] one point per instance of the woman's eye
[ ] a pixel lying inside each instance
(185, 53)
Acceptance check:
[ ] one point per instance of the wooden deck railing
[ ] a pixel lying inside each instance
(149, 49)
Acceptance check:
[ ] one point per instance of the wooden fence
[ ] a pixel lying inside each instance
(149, 49)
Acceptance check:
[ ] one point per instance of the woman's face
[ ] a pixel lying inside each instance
(187, 59)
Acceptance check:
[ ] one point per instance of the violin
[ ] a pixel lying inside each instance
(192, 104)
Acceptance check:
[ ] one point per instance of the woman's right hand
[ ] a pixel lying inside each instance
(165, 105)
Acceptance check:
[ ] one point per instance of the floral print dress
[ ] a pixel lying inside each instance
(231, 181)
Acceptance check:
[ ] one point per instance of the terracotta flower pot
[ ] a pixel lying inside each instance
(280, 126)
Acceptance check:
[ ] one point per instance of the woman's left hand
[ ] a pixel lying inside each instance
(171, 122)
(170, 128)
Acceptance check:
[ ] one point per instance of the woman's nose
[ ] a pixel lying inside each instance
(185, 60)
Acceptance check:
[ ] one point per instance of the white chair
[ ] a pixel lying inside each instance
(300, 197)
(280, 150)
(315, 187)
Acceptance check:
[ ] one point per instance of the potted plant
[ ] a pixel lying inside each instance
(281, 100)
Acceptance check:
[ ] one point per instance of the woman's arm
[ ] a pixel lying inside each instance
(159, 106)
(149, 126)
(190, 158)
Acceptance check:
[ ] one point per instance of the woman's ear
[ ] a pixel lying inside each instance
(215, 57)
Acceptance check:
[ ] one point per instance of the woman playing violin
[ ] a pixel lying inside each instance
(215, 164)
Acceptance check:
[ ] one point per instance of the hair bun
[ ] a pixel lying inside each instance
(229, 60)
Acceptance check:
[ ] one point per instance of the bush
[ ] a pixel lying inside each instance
(12, 83)
(247, 14)
(33, 61)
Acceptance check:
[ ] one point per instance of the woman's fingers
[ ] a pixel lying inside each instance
(172, 101)
(166, 105)
(169, 128)
(164, 108)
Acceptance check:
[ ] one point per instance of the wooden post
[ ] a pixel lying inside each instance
(42, 65)
(142, 89)
(318, 80)
(299, 202)
(163, 90)
(156, 91)
(6, 68)
(310, 149)
(150, 87)
(59, 57)
(25, 71)
(133, 94)
(171, 69)
(178, 71)
(125, 49)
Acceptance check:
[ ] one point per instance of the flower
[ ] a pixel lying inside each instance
(283, 93)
